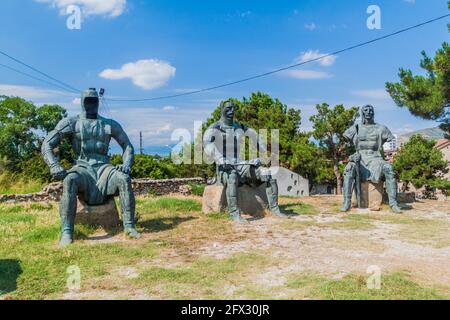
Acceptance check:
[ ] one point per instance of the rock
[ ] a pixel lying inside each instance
(251, 201)
(105, 215)
(185, 190)
(406, 197)
(214, 199)
(371, 195)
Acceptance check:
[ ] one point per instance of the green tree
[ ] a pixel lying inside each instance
(419, 163)
(261, 111)
(21, 128)
(329, 125)
(426, 96)
(309, 160)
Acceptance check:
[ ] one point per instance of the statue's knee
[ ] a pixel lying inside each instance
(233, 178)
(123, 179)
(349, 169)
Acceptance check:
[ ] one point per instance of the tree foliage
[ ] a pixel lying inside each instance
(22, 125)
(329, 125)
(419, 163)
(261, 111)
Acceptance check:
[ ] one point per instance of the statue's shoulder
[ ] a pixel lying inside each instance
(66, 124)
(109, 122)
(216, 125)
(382, 127)
(241, 126)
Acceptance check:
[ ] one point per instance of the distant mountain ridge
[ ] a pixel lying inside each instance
(429, 133)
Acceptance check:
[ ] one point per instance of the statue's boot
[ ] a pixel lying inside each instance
(236, 217)
(66, 239)
(128, 208)
(396, 209)
(391, 190)
(347, 190)
(232, 203)
(347, 205)
(272, 198)
(68, 209)
(129, 224)
(67, 227)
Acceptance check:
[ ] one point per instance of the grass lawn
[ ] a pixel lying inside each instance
(186, 255)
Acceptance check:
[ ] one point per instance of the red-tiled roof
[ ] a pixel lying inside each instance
(442, 143)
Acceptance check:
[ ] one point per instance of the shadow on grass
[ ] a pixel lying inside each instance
(10, 270)
(163, 224)
(288, 209)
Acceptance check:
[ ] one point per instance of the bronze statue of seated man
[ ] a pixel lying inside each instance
(92, 178)
(221, 144)
(367, 164)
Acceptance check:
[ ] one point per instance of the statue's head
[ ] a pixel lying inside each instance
(368, 114)
(227, 110)
(90, 103)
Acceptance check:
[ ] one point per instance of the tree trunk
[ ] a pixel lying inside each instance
(338, 176)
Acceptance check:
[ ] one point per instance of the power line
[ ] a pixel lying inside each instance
(285, 68)
(40, 72)
(33, 77)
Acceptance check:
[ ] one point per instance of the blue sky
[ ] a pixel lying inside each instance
(151, 48)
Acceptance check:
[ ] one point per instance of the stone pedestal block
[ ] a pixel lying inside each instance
(251, 201)
(105, 215)
(371, 195)
(214, 199)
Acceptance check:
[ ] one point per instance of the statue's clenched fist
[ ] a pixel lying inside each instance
(58, 172)
(124, 169)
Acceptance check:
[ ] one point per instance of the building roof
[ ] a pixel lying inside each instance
(442, 143)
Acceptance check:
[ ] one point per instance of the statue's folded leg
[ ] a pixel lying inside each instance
(122, 182)
(347, 188)
(271, 191)
(72, 185)
(391, 187)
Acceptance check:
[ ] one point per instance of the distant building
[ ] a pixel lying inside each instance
(444, 146)
(290, 184)
(392, 145)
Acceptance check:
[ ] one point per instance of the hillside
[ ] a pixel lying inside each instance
(429, 133)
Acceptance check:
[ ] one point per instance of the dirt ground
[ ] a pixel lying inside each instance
(318, 239)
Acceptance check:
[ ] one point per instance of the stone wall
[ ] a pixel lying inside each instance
(53, 191)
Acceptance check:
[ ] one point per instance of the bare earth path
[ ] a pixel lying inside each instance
(318, 243)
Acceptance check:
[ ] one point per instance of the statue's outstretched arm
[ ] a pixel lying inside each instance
(128, 150)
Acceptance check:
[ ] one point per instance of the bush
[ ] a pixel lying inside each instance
(197, 189)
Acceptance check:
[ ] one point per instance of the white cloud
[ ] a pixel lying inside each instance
(372, 94)
(169, 108)
(109, 8)
(76, 101)
(315, 54)
(310, 26)
(147, 74)
(30, 93)
(307, 74)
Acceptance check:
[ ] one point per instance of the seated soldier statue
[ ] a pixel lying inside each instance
(92, 178)
(367, 164)
(221, 145)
